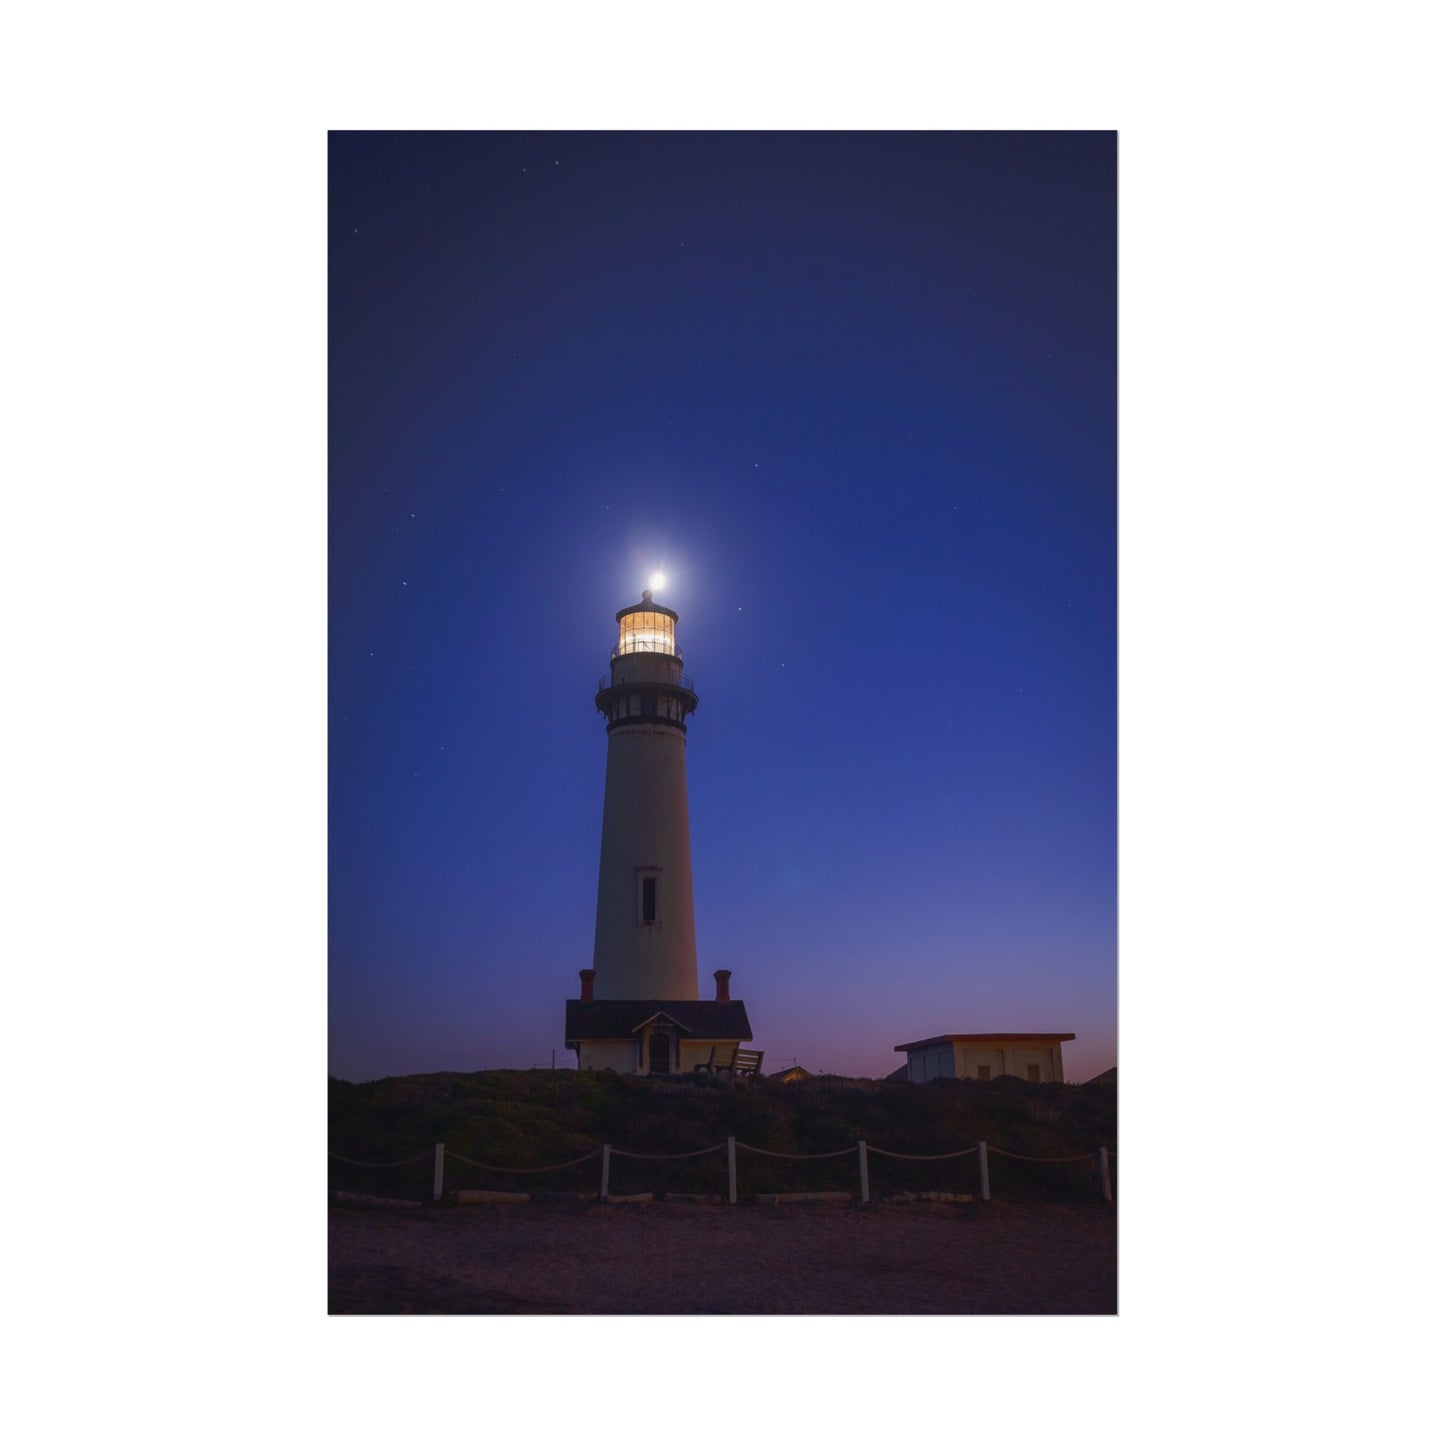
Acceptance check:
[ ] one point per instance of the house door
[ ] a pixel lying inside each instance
(659, 1054)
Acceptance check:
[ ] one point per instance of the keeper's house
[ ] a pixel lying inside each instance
(1039, 1058)
(654, 1035)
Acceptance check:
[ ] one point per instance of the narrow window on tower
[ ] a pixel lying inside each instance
(649, 900)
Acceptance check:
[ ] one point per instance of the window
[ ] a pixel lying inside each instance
(983, 1071)
(648, 899)
(1033, 1073)
(647, 631)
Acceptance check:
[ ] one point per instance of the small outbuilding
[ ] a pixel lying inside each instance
(1039, 1058)
(791, 1075)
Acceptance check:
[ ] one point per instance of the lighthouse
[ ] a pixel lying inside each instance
(645, 945)
(639, 1010)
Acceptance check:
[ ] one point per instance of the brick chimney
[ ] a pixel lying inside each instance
(586, 975)
(722, 975)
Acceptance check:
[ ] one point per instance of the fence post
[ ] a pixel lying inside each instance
(436, 1178)
(983, 1171)
(863, 1169)
(606, 1170)
(1104, 1172)
(732, 1170)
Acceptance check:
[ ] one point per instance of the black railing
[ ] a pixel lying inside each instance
(637, 651)
(681, 679)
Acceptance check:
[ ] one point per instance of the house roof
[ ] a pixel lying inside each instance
(612, 1018)
(984, 1039)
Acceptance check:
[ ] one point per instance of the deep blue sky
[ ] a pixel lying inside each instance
(855, 395)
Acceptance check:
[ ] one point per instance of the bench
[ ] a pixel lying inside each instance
(729, 1059)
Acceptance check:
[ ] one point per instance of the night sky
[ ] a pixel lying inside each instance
(855, 395)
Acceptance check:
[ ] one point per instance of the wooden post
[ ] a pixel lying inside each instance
(606, 1170)
(983, 1170)
(732, 1170)
(1104, 1172)
(863, 1170)
(436, 1177)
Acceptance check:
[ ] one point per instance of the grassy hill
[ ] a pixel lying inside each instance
(529, 1118)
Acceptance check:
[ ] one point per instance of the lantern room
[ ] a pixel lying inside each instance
(646, 626)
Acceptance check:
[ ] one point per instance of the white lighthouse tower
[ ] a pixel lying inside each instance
(645, 946)
(639, 1010)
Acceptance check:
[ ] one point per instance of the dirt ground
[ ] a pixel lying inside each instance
(666, 1258)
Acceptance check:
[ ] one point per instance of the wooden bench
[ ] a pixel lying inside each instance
(731, 1060)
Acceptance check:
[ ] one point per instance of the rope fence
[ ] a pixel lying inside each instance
(696, 1153)
(1041, 1159)
(364, 1164)
(773, 1154)
(508, 1169)
(862, 1150)
(921, 1158)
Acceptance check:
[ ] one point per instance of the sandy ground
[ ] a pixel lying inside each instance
(999, 1258)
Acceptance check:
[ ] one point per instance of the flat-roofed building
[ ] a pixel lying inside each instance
(1039, 1058)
